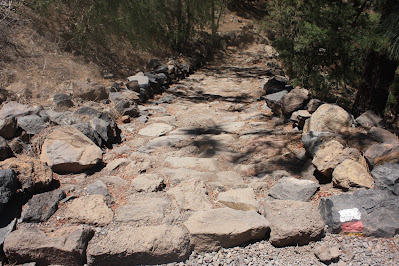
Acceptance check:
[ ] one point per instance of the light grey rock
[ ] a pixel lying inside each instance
(212, 229)
(207, 164)
(128, 245)
(14, 109)
(274, 102)
(155, 130)
(239, 199)
(327, 254)
(8, 186)
(293, 222)
(147, 183)
(99, 188)
(114, 181)
(151, 210)
(379, 154)
(386, 177)
(31, 124)
(290, 188)
(62, 246)
(369, 119)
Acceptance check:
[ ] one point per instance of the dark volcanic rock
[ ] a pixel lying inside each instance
(62, 100)
(42, 206)
(386, 177)
(31, 124)
(275, 84)
(379, 154)
(371, 212)
(5, 150)
(8, 127)
(8, 186)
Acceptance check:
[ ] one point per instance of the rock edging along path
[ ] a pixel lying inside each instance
(204, 167)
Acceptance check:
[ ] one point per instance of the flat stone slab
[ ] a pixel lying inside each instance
(239, 199)
(178, 175)
(212, 229)
(128, 245)
(207, 164)
(90, 209)
(293, 222)
(369, 212)
(50, 246)
(142, 211)
(232, 127)
(155, 130)
(147, 183)
(190, 195)
(290, 188)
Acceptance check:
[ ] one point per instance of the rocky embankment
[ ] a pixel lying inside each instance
(225, 166)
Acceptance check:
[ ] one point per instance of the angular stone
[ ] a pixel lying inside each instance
(62, 246)
(147, 183)
(327, 254)
(290, 188)
(379, 154)
(116, 165)
(313, 105)
(176, 176)
(299, 117)
(275, 84)
(62, 100)
(127, 107)
(213, 229)
(207, 164)
(31, 124)
(99, 188)
(294, 100)
(293, 222)
(67, 150)
(8, 127)
(8, 186)
(191, 195)
(274, 102)
(14, 109)
(90, 91)
(382, 135)
(165, 141)
(6, 228)
(114, 181)
(90, 209)
(386, 177)
(369, 119)
(142, 80)
(330, 118)
(375, 212)
(239, 199)
(42, 206)
(313, 139)
(33, 175)
(351, 174)
(147, 211)
(155, 130)
(5, 150)
(128, 245)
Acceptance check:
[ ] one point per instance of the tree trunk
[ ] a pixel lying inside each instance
(378, 75)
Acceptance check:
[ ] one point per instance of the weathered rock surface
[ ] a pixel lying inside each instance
(5, 150)
(382, 135)
(299, 117)
(155, 130)
(386, 177)
(62, 246)
(371, 212)
(147, 183)
(239, 199)
(33, 175)
(313, 139)
(290, 188)
(313, 105)
(99, 188)
(147, 211)
(274, 102)
(275, 84)
(62, 100)
(369, 119)
(294, 100)
(42, 206)
(90, 209)
(90, 91)
(379, 154)
(14, 109)
(8, 186)
(164, 141)
(330, 118)
(67, 150)
(327, 254)
(6, 227)
(191, 195)
(212, 229)
(129, 245)
(207, 164)
(293, 222)
(31, 124)
(351, 174)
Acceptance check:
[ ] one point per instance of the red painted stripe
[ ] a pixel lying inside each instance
(352, 227)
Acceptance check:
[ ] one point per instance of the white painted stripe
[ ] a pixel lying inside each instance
(348, 215)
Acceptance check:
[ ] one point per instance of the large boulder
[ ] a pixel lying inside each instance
(290, 188)
(294, 100)
(379, 154)
(14, 109)
(8, 186)
(386, 177)
(330, 118)
(90, 91)
(313, 139)
(48, 246)
(293, 222)
(33, 175)
(42, 206)
(351, 174)
(67, 150)
(273, 101)
(128, 245)
(142, 80)
(369, 119)
(331, 154)
(212, 229)
(370, 212)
